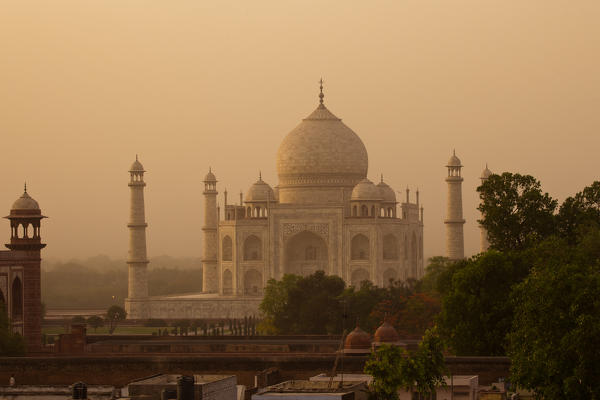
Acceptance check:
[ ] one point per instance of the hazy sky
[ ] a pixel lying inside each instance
(87, 84)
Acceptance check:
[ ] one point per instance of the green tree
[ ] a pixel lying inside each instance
(579, 213)
(476, 311)
(304, 304)
(393, 368)
(114, 315)
(360, 303)
(555, 342)
(515, 212)
(11, 344)
(95, 322)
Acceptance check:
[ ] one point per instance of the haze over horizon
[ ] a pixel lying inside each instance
(188, 85)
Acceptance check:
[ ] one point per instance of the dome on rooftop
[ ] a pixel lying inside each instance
(357, 339)
(454, 161)
(366, 190)
(387, 193)
(260, 191)
(25, 202)
(386, 333)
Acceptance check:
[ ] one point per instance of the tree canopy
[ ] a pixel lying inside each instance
(393, 368)
(114, 315)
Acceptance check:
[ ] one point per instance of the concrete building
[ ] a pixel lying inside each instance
(20, 286)
(455, 246)
(324, 214)
(205, 387)
(484, 242)
(314, 390)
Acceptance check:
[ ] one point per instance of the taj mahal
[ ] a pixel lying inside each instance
(323, 214)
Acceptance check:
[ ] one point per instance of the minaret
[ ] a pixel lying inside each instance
(137, 259)
(484, 242)
(25, 300)
(210, 282)
(455, 248)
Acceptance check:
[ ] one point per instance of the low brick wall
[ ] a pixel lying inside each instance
(118, 370)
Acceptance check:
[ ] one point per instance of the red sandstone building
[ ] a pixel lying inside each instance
(20, 289)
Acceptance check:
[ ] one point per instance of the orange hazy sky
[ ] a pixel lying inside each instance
(85, 85)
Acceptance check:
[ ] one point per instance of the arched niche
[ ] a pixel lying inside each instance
(414, 255)
(252, 248)
(389, 275)
(252, 283)
(227, 282)
(17, 300)
(359, 247)
(390, 247)
(358, 276)
(305, 253)
(226, 248)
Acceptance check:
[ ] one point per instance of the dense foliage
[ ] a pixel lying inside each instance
(535, 295)
(320, 304)
(114, 315)
(392, 368)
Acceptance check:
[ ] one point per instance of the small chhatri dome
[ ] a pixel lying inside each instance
(136, 166)
(454, 161)
(210, 177)
(366, 190)
(260, 191)
(386, 333)
(25, 202)
(387, 193)
(486, 173)
(357, 339)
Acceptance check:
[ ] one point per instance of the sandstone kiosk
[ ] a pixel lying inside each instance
(484, 242)
(20, 278)
(137, 260)
(455, 248)
(210, 282)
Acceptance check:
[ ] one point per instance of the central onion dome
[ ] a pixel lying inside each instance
(321, 151)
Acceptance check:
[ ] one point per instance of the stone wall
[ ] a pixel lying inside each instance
(119, 370)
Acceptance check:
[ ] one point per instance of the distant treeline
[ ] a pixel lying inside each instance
(100, 282)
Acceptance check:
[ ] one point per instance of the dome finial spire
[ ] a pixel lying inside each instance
(381, 178)
(259, 175)
(321, 95)
(25, 187)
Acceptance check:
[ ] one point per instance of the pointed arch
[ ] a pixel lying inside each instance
(305, 253)
(252, 283)
(252, 248)
(16, 300)
(227, 282)
(390, 247)
(389, 275)
(226, 248)
(358, 276)
(413, 255)
(359, 247)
